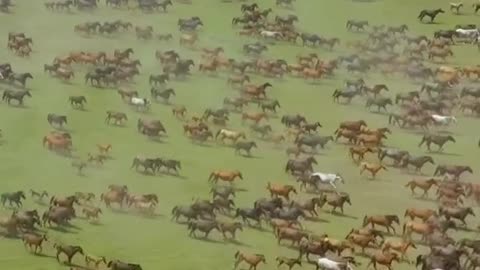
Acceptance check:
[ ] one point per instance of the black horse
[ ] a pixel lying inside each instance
(310, 38)
(146, 163)
(13, 197)
(181, 68)
(162, 93)
(8, 95)
(169, 164)
(359, 25)
(158, 79)
(245, 146)
(248, 214)
(432, 13)
(77, 101)
(56, 119)
(119, 265)
(20, 78)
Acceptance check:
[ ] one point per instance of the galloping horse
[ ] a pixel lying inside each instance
(430, 13)
(229, 134)
(256, 91)
(251, 259)
(8, 95)
(227, 176)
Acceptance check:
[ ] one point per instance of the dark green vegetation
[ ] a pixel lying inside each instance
(158, 242)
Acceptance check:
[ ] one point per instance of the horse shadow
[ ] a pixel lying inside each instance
(119, 211)
(250, 156)
(81, 109)
(62, 230)
(41, 203)
(338, 214)
(208, 240)
(237, 243)
(440, 153)
(178, 176)
(258, 228)
(317, 219)
(77, 266)
(43, 255)
(424, 199)
(156, 139)
(9, 235)
(203, 145)
(96, 223)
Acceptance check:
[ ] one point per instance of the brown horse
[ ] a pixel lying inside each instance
(208, 66)
(113, 196)
(347, 134)
(57, 143)
(423, 184)
(127, 94)
(338, 246)
(399, 246)
(256, 91)
(373, 168)
(224, 175)
(438, 140)
(290, 262)
(230, 227)
(64, 201)
(238, 79)
(441, 53)
(421, 228)
(383, 258)
(179, 111)
(280, 190)
(255, 117)
(353, 125)
(382, 220)
(118, 117)
(459, 213)
(291, 234)
(370, 140)
(34, 241)
(95, 260)
(454, 170)
(68, 250)
(104, 148)
(91, 213)
(359, 152)
(337, 201)
(362, 241)
(422, 213)
(251, 259)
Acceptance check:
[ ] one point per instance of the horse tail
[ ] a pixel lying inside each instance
(52, 200)
(407, 212)
(409, 184)
(404, 228)
(101, 197)
(365, 221)
(218, 133)
(174, 210)
(237, 254)
(424, 138)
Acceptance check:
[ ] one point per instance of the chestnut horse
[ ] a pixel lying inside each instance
(373, 168)
(224, 175)
(281, 190)
(251, 259)
(255, 117)
(382, 220)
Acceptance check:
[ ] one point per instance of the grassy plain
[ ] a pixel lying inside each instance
(157, 242)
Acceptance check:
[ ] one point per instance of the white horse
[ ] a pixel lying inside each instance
(456, 6)
(443, 120)
(327, 264)
(271, 34)
(138, 102)
(467, 33)
(328, 178)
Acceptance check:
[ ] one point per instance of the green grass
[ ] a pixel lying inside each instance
(157, 242)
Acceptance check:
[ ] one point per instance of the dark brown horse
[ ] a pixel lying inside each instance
(68, 250)
(382, 220)
(439, 140)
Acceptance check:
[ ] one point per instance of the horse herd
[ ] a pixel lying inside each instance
(389, 50)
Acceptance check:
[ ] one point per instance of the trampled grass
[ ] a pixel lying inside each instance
(157, 242)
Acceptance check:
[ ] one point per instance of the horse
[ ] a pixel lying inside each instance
(146, 163)
(38, 195)
(34, 241)
(373, 168)
(68, 250)
(230, 227)
(439, 53)
(280, 190)
(380, 102)
(290, 262)
(245, 146)
(119, 265)
(255, 117)
(381, 220)
(20, 77)
(329, 264)
(56, 119)
(138, 103)
(454, 170)
(95, 260)
(256, 90)
(359, 25)
(164, 94)
(439, 140)
(399, 246)
(443, 120)
(234, 136)
(425, 185)
(227, 176)
(431, 13)
(8, 95)
(77, 101)
(327, 178)
(360, 152)
(456, 7)
(456, 213)
(13, 197)
(251, 259)
(301, 166)
(91, 212)
(383, 258)
(416, 161)
(271, 34)
(312, 140)
(118, 117)
(347, 94)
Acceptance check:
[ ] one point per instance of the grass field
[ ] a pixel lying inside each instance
(157, 242)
